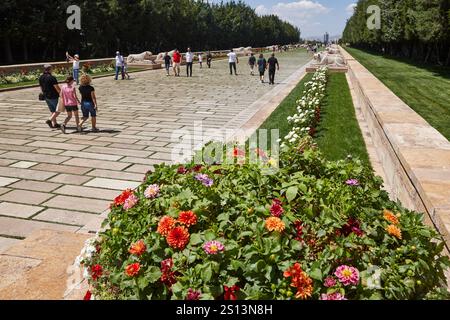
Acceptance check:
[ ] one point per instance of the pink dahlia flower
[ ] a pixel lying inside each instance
(332, 296)
(329, 282)
(152, 191)
(130, 202)
(213, 247)
(347, 275)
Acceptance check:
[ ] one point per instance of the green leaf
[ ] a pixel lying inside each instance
(195, 239)
(153, 274)
(207, 273)
(316, 274)
(291, 193)
(209, 235)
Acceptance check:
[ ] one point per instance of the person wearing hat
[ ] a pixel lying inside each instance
(119, 65)
(76, 66)
(50, 91)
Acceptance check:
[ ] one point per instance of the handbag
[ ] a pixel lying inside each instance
(41, 97)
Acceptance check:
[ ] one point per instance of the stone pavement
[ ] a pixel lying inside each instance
(65, 182)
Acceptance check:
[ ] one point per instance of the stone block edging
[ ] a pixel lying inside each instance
(414, 155)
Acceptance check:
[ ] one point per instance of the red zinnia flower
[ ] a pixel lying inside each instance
(165, 225)
(138, 248)
(230, 292)
(120, 199)
(132, 270)
(168, 277)
(276, 209)
(87, 296)
(182, 170)
(188, 218)
(96, 271)
(178, 237)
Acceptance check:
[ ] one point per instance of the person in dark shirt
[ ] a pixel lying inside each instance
(262, 66)
(88, 102)
(273, 65)
(251, 63)
(167, 62)
(50, 90)
(209, 59)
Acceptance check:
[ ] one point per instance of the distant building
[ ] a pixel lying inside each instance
(326, 38)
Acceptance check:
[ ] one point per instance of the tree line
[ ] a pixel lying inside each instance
(37, 31)
(414, 29)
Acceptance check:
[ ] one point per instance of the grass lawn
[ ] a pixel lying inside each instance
(426, 89)
(288, 107)
(30, 83)
(338, 134)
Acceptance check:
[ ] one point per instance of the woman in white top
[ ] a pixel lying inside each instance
(200, 59)
(75, 65)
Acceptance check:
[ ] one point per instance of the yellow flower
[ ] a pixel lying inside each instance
(389, 216)
(275, 224)
(394, 231)
(272, 162)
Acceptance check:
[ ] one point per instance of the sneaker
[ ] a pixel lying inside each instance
(57, 126)
(95, 130)
(49, 123)
(79, 129)
(63, 128)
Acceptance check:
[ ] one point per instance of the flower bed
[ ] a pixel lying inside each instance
(313, 229)
(32, 76)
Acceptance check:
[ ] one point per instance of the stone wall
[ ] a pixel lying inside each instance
(415, 156)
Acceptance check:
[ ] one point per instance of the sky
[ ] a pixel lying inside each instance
(313, 17)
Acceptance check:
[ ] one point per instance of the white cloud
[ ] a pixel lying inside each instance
(300, 13)
(351, 8)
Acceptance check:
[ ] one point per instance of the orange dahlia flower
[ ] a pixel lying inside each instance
(299, 280)
(178, 237)
(138, 248)
(165, 225)
(389, 216)
(132, 270)
(275, 224)
(188, 218)
(394, 231)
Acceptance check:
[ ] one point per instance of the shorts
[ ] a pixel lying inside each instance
(176, 64)
(261, 73)
(71, 108)
(52, 104)
(87, 108)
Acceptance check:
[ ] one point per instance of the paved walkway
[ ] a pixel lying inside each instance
(64, 182)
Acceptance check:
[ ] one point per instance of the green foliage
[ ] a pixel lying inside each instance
(416, 29)
(313, 194)
(33, 30)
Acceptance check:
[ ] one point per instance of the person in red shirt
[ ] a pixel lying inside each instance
(176, 58)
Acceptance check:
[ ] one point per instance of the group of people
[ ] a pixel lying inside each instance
(64, 98)
(263, 64)
(174, 62)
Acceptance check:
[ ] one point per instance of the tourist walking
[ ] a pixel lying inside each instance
(272, 65)
(209, 59)
(200, 60)
(119, 65)
(251, 63)
(70, 102)
(262, 66)
(176, 58)
(75, 65)
(50, 93)
(189, 56)
(125, 69)
(232, 61)
(167, 62)
(88, 102)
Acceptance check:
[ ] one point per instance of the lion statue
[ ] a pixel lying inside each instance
(147, 55)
